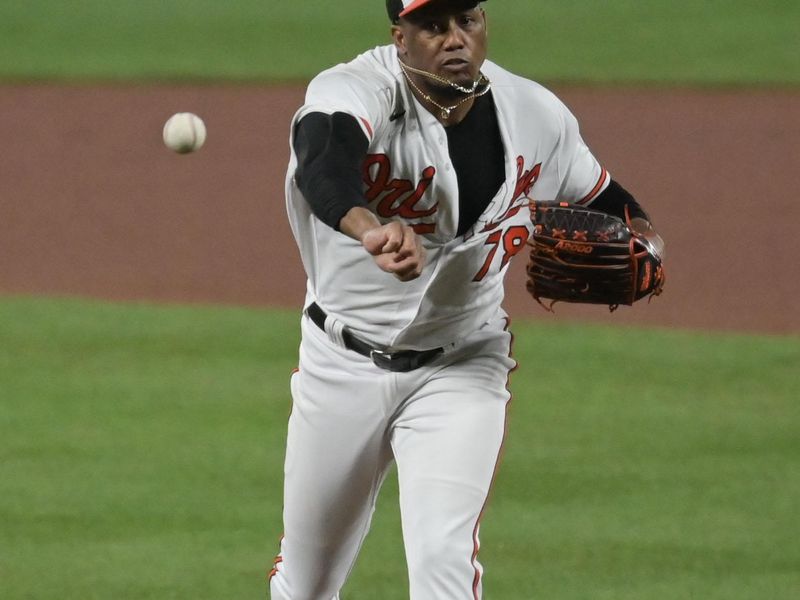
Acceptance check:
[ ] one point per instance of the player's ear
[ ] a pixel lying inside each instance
(399, 39)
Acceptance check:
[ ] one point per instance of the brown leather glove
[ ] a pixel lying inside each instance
(582, 255)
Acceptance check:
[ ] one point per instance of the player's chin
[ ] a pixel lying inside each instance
(463, 76)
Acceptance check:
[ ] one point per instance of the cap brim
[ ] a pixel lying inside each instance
(413, 6)
(419, 4)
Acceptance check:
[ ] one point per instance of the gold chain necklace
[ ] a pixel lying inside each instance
(481, 80)
(444, 111)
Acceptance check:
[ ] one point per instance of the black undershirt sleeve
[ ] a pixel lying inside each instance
(613, 200)
(330, 151)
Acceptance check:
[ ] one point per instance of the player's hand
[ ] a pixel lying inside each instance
(396, 248)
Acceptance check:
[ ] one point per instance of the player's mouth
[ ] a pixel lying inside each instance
(456, 65)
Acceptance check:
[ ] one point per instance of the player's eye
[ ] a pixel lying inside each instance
(433, 27)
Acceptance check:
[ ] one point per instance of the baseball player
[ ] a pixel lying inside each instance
(408, 187)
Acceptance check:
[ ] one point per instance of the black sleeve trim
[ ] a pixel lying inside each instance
(330, 152)
(613, 201)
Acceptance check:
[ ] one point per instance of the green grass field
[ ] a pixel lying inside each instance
(719, 42)
(141, 454)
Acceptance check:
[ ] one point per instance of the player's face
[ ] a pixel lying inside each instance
(446, 40)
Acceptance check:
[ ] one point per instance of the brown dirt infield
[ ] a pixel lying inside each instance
(92, 203)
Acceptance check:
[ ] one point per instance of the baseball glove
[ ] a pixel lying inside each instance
(582, 255)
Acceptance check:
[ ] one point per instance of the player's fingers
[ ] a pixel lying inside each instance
(374, 240)
(394, 232)
(396, 249)
(383, 239)
(410, 245)
(405, 268)
(411, 248)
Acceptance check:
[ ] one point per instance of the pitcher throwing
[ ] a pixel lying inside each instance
(408, 192)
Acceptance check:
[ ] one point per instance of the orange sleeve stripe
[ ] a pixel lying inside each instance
(598, 186)
(368, 126)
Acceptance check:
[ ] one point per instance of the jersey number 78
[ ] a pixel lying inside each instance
(512, 241)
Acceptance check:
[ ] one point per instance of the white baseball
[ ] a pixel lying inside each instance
(184, 132)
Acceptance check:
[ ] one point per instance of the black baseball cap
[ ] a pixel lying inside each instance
(400, 8)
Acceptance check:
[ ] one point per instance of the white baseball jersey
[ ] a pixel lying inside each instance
(408, 176)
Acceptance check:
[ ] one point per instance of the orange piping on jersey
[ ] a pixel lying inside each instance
(274, 570)
(278, 560)
(598, 186)
(476, 543)
(367, 125)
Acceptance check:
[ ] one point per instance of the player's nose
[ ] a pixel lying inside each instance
(455, 36)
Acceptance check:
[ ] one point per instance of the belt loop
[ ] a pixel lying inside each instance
(335, 328)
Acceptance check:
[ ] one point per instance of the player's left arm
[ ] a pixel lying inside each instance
(585, 182)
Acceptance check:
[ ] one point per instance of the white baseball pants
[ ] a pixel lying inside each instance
(443, 424)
